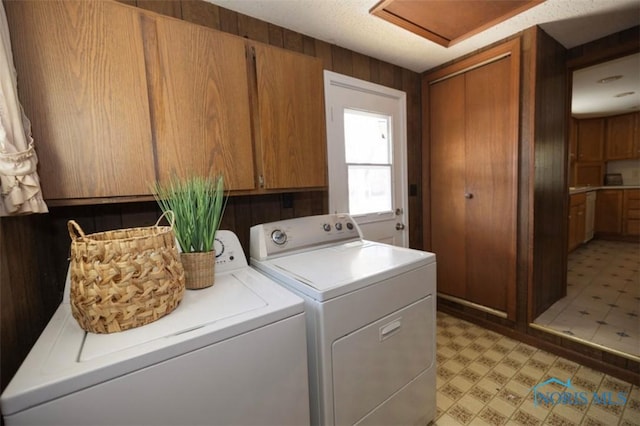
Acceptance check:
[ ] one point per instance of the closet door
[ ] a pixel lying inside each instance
(473, 121)
(448, 212)
(491, 176)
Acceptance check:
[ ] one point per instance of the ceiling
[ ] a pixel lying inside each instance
(594, 99)
(347, 23)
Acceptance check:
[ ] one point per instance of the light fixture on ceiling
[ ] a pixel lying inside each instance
(623, 94)
(609, 79)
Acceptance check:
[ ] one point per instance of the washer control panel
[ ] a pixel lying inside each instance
(229, 253)
(293, 234)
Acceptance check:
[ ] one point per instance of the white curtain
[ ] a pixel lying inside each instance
(20, 191)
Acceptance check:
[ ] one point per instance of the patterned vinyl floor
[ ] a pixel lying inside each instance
(603, 296)
(484, 378)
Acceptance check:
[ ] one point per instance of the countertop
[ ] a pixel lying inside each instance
(581, 189)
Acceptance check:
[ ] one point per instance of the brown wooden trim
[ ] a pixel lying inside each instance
(527, 151)
(627, 48)
(410, 26)
(509, 47)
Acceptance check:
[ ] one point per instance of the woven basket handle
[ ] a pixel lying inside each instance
(74, 230)
(170, 218)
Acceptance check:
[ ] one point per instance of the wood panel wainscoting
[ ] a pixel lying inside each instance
(34, 248)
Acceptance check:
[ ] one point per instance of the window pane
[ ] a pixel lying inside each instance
(366, 138)
(369, 189)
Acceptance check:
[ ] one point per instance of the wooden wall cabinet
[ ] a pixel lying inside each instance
(573, 150)
(608, 219)
(120, 97)
(591, 133)
(621, 141)
(473, 119)
(577, 220)
(82, 83)
(291, 129)
(591, 173)
(199, 94)
(589, 167)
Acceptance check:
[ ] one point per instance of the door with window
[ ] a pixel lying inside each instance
(366, 147)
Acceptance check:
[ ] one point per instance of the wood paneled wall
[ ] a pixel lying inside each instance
(34, 249)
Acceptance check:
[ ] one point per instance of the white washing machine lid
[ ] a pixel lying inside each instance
(332, 271)
(66, 359)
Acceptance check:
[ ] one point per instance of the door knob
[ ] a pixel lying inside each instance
(399, 226)
(468, 195)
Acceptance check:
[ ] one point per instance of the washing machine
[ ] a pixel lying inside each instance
(231, 354)
(370, 313)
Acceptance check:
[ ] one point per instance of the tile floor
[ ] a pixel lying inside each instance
(603, 296)
(484, 378)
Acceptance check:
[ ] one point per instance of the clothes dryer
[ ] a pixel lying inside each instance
(370, 312)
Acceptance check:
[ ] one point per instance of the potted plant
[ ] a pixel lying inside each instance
(198, 205)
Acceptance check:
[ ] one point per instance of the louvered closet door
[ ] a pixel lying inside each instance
(473, 119)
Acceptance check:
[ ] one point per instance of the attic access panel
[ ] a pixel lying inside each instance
(448, 22)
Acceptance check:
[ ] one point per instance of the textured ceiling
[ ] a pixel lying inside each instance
(347, 23)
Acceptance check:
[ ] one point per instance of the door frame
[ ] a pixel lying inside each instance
(340, 80)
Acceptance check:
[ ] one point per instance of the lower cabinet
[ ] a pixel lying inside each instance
(577, 220)
(609, 212)
(631, 212)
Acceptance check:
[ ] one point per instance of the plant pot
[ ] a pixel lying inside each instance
(199, 269)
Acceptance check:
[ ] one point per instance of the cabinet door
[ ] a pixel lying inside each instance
(622, 132)
(609, 211)
(577, 220)
(573, 150)
(291, 129)
(491, 183)
(573, 221)
(448, 215)
(82, 83)
(199, 96)
(591, 139)
(631, 212)
(589, 174)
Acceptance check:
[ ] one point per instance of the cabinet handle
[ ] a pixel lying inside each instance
(468, 195)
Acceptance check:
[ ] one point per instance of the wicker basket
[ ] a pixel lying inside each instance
(124, 278)
(199, 269)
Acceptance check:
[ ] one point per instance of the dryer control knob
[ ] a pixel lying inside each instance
(338, 226)
(349, 226)
(279, 237)
(326, 227)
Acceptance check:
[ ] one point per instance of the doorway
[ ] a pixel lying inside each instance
(366, 149)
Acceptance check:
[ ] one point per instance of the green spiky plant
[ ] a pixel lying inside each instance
(198, 205)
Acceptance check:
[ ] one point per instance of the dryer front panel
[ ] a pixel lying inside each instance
(373, 363)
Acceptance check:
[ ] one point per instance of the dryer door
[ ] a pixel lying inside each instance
(375, 362)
